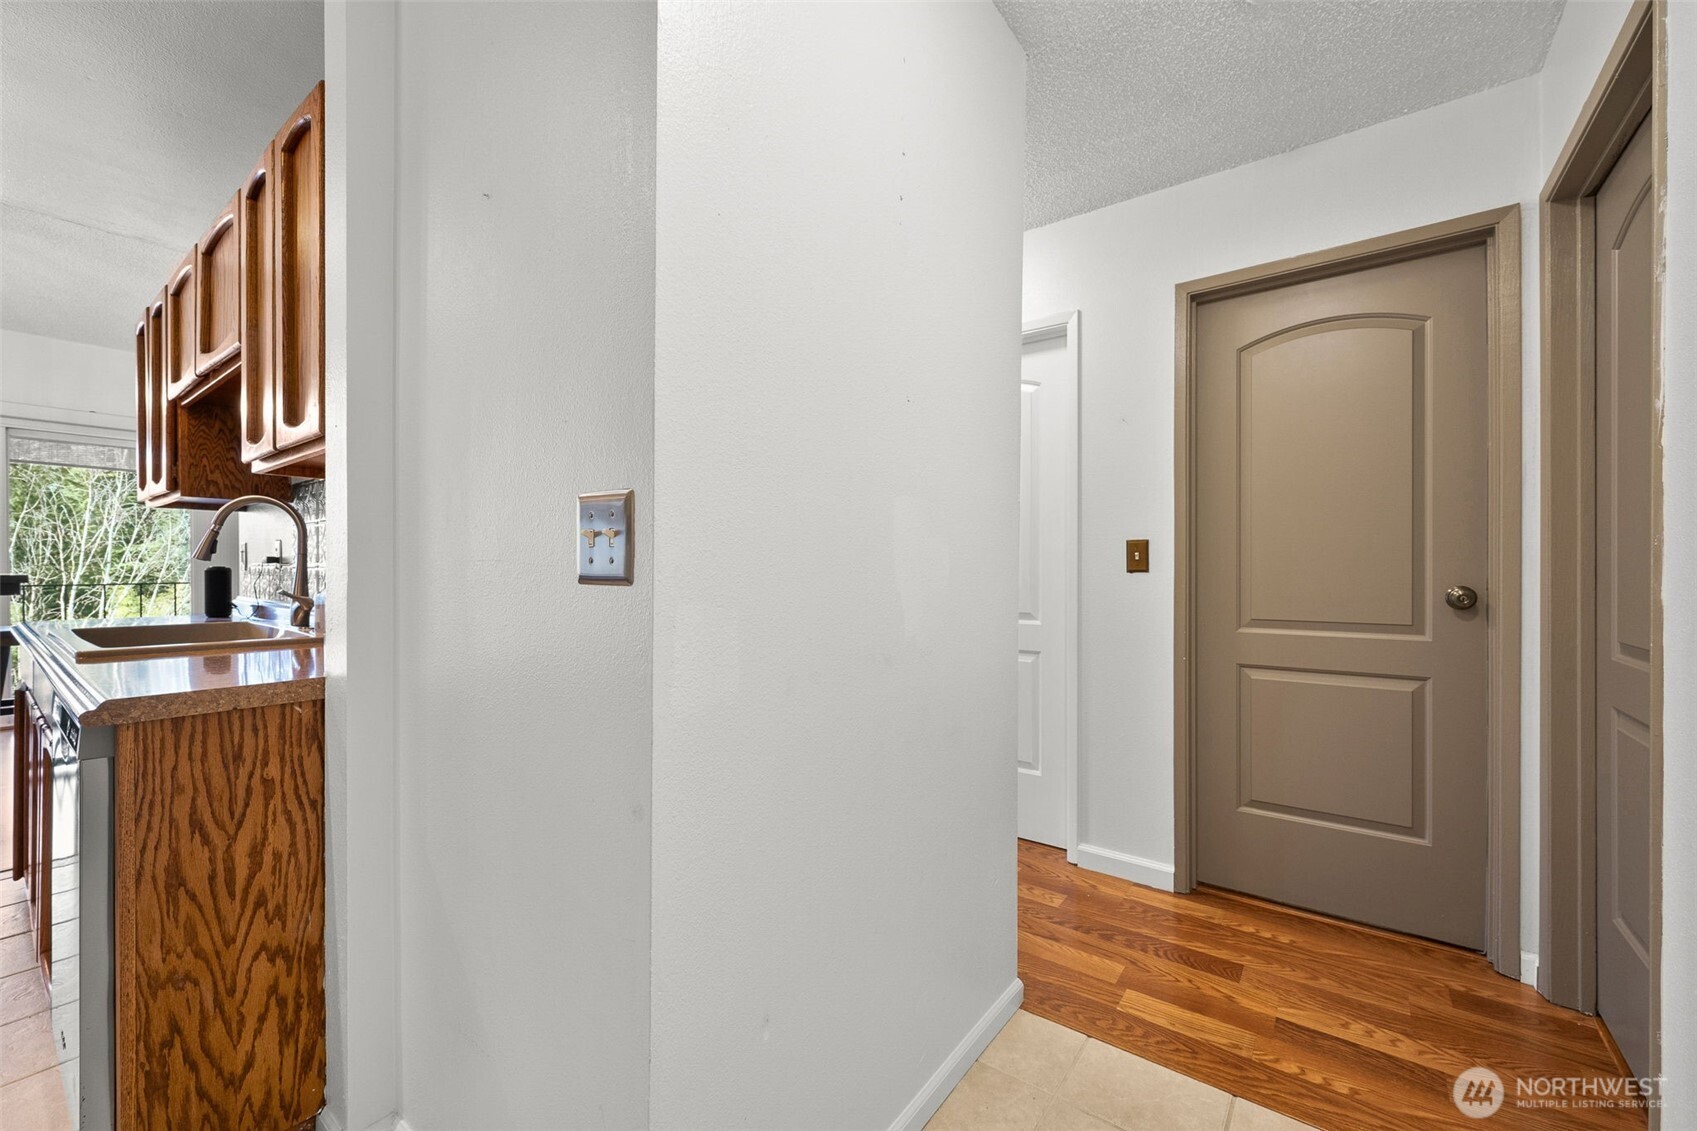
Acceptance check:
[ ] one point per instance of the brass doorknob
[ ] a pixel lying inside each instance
(1460, 597)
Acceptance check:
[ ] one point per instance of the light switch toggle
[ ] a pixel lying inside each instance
(605, 515)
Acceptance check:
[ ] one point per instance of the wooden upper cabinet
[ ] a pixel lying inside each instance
(156, 427)
(142, 350)
(297, 192)
(218, 283)
(187, 450)
(258, 232)
(179, 328)
(230, 358)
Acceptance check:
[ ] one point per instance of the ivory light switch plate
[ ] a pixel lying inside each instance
(1137, 555)
(604, 538)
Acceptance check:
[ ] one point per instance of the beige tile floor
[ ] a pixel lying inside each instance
(33, 1085)
(1040, 1076)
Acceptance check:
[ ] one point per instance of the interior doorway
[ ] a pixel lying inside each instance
(1601, 680)
(1348, 590)
(1048, 582)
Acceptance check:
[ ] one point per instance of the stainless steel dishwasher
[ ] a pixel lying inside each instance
(81, 991)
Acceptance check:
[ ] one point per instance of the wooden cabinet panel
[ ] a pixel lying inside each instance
(258, 302)
(21, 734)
(142, 343)
(32, 821)
(220, 938)
(298, 168)
(158, 425)
(187, 449)
(41, 835)
(218, 279)
(180, 299)
(248, 300)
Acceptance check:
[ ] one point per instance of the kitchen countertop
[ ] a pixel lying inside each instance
(133, 691)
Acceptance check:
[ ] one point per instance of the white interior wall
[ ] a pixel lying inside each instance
(524, 331)
(1577, 52)
(52, 379)
(362, 665)
(1679, 577)
(1119, 266)
(837, 352)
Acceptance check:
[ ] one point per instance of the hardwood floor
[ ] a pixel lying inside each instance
(1335, 1024)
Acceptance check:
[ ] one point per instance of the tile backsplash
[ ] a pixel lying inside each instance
(266, 533)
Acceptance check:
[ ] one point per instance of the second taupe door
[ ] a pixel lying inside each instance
(1340, 491)
(1625, 266)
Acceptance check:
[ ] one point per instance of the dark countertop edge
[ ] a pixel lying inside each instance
(91, 710)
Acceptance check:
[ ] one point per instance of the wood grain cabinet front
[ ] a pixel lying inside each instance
(258, 307)
(32, 822)
(180, 300)
(219, 939)
(155, 427)
(296, 377)
(187, 447)
(230, 366)
(218, 274)
(21, 733)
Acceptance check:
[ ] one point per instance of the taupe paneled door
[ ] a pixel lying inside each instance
(1340, 516)
(1624, 265)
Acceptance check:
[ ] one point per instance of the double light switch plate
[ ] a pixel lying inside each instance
(604, 538)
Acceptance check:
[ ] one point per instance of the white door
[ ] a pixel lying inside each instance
(1048, 568)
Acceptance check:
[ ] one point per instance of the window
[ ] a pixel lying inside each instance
(76, 530)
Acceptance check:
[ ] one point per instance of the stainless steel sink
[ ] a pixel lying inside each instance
(102, 643)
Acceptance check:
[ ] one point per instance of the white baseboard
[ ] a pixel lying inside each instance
(1529, 968)
(1149, 873)
(923, 1106)
(390, 1122)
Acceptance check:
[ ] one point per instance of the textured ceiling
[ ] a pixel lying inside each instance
(1126, 97)
(124, 126)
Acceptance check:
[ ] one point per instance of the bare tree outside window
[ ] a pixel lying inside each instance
(89, 548)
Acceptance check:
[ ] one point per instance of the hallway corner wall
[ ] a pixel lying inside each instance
(837, 359)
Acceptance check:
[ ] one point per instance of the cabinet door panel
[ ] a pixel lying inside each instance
(218, 274)
(258, 302)
(159, 434)
(21, 734)
(143, 350)
(179, 328)
(42, 865)
(299, 201)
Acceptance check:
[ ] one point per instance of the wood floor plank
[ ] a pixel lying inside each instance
(1340, 1025)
